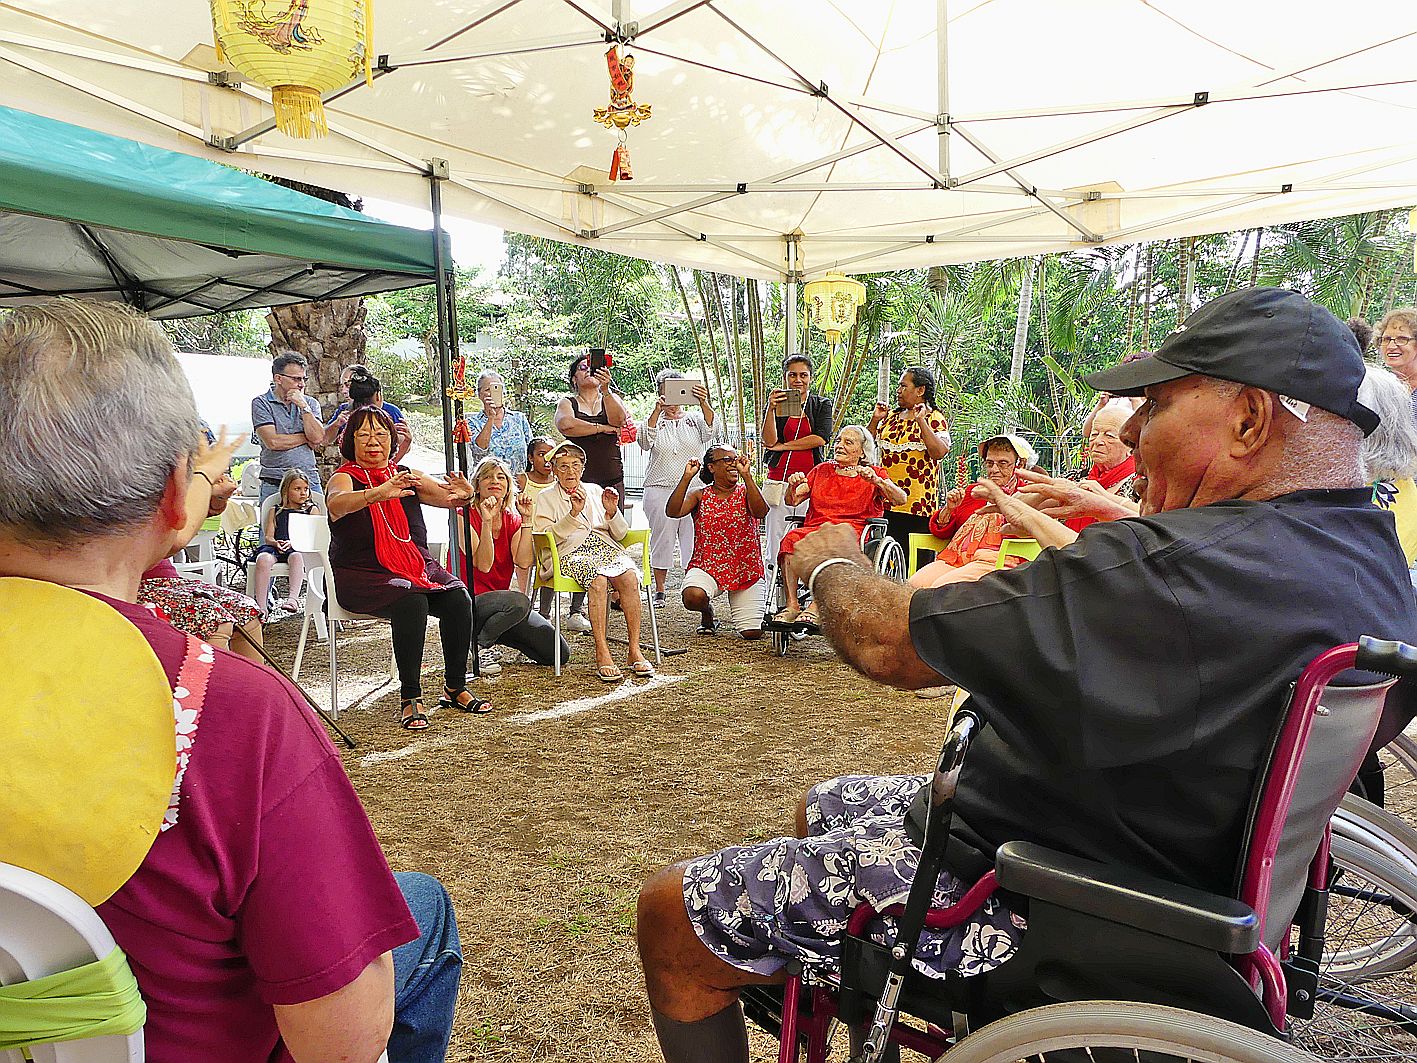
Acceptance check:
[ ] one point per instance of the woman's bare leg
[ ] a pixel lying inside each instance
(598, 593)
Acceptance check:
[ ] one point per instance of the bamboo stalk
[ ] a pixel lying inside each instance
(738, 362)
(708, 325)
(693, 328)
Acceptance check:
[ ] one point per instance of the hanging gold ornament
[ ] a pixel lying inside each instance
(298, 49)
(834, 300)
(623, 111)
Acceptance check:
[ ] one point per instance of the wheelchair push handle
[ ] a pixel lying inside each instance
(1389, 657)
(956, 745)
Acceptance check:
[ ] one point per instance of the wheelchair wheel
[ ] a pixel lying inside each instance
(1399, 760)
(1105, 1030)
(781, 640)
(1364, 1007)
(889, 561)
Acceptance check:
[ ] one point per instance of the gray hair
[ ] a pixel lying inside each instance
(870, 453)
(95, 415)
(489, 374)
(667, 374)
(1390, 453)
(285, 360)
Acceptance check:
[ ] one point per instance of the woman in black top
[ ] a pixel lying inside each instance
(591, 416)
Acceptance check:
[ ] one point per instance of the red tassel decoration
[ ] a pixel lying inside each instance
(620, 164)
(461, 432)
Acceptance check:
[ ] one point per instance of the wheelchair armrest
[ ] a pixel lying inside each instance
(1132, 898)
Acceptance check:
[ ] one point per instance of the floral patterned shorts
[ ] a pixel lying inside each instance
(758, 906)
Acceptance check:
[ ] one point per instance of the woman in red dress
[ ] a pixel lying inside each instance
(849, 489)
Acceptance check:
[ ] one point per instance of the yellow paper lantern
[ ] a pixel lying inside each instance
(298, 49)
(834, 300)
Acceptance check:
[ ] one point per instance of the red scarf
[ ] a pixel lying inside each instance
(393, 542)
(1110, 478)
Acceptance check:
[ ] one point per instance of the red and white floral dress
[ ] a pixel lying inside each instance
(726, 539)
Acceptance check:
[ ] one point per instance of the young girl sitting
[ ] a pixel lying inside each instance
(531, 483)
(726, 555)
(294, 498)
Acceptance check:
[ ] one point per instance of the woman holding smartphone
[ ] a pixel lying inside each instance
(496, 430)
(673, 436)
(795, 429)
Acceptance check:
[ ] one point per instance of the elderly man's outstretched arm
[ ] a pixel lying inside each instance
(865, 616)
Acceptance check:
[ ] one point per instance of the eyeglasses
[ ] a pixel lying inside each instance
(730, 458)
(296, 379)
(1005, 464)
(1394, 341)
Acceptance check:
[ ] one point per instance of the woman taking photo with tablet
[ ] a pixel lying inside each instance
(673, 436)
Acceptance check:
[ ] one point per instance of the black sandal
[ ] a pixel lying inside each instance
(416, 721)
(452, 699)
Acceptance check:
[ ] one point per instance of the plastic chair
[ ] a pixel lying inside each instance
(204, 542)
(1027, 549)
(544, 541)
(46, 929)
(923, 542)
(311, 535)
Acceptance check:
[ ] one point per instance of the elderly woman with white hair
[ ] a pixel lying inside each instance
(496, 430)
(850, 488)
(1390, 454)
(673, 437)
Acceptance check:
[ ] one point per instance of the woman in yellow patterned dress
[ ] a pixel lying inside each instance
(913, 439)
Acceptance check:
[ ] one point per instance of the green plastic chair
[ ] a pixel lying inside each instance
(545, 545)
(1027, 549)
(921, 542)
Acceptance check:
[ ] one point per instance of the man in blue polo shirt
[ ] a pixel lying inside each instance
(287, 423)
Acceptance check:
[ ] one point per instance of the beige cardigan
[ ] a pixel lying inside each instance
(553, 514)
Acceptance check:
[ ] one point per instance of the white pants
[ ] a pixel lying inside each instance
(776, 523)
(745, 606)
(665, 531)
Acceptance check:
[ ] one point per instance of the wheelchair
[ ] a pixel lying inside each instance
(1117, 964)
(886, 555)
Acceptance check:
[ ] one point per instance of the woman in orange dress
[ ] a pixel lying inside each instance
(851, 488)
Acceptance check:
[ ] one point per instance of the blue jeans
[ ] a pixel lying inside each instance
(426, 974)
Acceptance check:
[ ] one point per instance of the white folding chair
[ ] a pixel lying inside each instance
(311, 535)
(205, 567)
(280, 568)
(46, 929)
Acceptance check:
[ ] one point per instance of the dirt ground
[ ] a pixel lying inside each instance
(543, 818)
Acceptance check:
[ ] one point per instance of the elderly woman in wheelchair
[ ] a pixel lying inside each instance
(849, 489)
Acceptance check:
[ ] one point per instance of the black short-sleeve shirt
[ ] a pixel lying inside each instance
(1131, 681)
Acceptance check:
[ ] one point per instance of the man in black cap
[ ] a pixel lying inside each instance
(1129, 682)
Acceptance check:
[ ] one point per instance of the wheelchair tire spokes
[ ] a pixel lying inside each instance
(1363, 1008)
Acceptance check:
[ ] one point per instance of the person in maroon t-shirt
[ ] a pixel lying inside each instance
(264, 923)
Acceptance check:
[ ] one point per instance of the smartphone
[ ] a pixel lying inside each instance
(496, 394)
(792, 405)
(597, 361)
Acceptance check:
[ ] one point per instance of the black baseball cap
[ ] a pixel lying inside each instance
(1269, 338)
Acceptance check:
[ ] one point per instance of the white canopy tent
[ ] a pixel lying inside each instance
(790, 137)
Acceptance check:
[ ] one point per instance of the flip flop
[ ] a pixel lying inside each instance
(475, 705)
(642, 670)
(707, 629)
(416, 721)
(609, 673)
(785, 615)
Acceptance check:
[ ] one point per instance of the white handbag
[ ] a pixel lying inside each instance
(774, 492)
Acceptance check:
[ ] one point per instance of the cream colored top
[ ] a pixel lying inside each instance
(553, 514)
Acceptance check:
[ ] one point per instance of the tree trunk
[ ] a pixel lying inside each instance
(1146, 298)
(1025, 310)
(937, 281)
(1255, 260)
(329, 335)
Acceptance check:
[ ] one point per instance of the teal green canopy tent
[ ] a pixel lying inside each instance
(98, 217)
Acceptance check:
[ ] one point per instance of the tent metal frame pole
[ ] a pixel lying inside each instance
(261, 128)
(789, 295)
(1032, 190)
(801, 168)
(942, 74)
(445, 296)
(133, 289)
